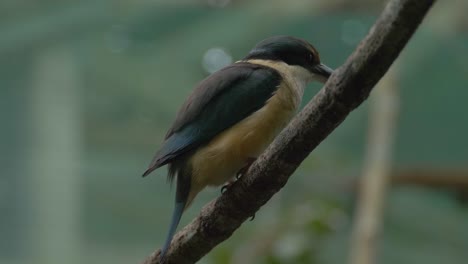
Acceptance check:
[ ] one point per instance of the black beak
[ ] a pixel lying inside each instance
(322, 72)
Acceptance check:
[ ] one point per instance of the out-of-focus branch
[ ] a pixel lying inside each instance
(452, 180)
(438, 179)
(370, 204)
(455, 180)
(346, 89)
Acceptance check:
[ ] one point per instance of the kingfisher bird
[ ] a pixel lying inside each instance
(233, 115)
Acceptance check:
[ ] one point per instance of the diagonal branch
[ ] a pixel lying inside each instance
(347, 88)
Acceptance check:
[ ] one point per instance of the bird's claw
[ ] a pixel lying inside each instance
(239, 174)
(226, 186)
(252, 217)
(244, 169)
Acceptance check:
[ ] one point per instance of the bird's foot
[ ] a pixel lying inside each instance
(226, 186)
(252, 217)
(239, 174)
(246, 167)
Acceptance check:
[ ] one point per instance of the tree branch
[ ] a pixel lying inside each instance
(347, 88)
(449, 179)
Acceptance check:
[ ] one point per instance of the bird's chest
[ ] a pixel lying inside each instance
(256, 132)
(228, 152)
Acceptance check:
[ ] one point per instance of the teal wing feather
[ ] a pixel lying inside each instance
(217, 103)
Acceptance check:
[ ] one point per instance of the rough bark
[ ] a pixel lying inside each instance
(346, 89)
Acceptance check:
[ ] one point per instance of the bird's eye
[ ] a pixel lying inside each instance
(311, 57)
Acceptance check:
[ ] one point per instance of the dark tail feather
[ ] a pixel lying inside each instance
(176, 215)
(182, 192)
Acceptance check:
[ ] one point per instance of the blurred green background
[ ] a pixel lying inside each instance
(88, 89)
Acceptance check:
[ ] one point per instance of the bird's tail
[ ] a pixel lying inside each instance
(176, 215)
(182, 193)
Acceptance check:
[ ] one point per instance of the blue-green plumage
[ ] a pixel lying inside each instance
(219, 128)
(184, 172)
(229, 95)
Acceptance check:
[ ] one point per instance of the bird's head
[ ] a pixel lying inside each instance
(295, 52)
